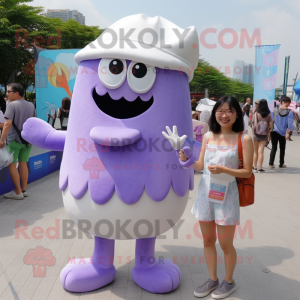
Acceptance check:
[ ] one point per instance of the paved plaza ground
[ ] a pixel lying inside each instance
(267, 243)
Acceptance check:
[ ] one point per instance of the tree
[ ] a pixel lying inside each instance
(22, 27)
(207, 76)
(16, 20)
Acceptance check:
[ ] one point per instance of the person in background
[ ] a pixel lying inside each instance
(63, 113)
(262, 125)
(194, 103)
(248, 102)
(247, 112)
(256, 103)
(16, 114)
(283, 124)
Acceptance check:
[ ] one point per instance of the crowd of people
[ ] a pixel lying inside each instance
(276, 126)
(263, 125)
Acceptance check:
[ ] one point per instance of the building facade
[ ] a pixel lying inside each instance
(66, 14)
(243, 72)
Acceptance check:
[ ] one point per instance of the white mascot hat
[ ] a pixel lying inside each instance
(153, 41)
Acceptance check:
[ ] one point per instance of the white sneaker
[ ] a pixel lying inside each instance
(25, 194)
(13, 195)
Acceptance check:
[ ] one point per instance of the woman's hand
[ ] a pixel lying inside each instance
(182, 156)
(215, 169)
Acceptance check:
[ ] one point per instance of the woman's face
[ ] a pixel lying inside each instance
(248, 101)
(226, 116)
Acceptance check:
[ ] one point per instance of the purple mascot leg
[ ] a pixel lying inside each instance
(87, 274)
(154, 275)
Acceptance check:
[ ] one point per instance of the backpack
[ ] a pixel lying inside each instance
(261, 127)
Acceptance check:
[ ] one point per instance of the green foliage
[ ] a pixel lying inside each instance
(22, 27)
(30, 96)
(14, 16)
(207, 76)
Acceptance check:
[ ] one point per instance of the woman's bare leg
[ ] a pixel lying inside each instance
(225, 236)
(208, 230)
(255, 155)
(261, 148)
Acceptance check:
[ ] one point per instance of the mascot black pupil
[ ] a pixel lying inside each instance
(116, 67)
(139, 70)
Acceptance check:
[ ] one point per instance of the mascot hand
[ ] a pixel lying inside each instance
(190, 158)
(174, 138)
(36, 131)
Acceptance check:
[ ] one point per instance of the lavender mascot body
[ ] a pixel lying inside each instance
(119, 177)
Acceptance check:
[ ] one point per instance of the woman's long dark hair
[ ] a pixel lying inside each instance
(263, 108)
(66, 103)
(238, 125)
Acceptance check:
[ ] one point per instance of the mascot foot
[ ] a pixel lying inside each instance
(84, 275)
(162, 277)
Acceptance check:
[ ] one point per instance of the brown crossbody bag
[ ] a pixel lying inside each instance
(245, 185)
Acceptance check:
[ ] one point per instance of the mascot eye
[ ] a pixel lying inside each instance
(140, 77)
(112, 72)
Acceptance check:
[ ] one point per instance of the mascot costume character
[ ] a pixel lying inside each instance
(119, 177)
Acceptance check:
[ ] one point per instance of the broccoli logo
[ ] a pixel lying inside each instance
(39, 258)
(94, 165)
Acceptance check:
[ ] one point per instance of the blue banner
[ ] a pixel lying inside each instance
(55, 74)
(266, 57)
(297, 92)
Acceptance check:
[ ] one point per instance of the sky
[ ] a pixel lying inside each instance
(277, 20)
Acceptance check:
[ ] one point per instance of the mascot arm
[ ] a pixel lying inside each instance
(41, 134)
(190, 147)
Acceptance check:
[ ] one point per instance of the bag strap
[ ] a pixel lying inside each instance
(19, 133)
(240, 150)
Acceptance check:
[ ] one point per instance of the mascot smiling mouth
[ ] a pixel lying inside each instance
(121, 109)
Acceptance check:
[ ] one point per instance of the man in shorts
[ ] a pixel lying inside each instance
(16, 114)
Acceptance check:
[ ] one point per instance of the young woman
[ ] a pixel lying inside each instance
(263, 117)
(219, 154)
(63, 113)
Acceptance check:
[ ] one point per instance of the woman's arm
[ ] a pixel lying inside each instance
(58, 113)
(246, 172)
(270, 130)
(199, 164)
